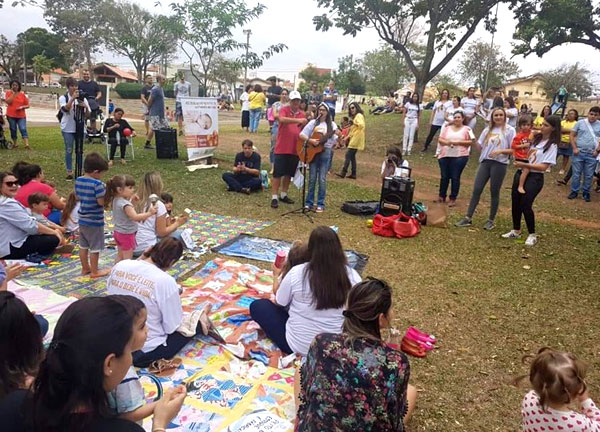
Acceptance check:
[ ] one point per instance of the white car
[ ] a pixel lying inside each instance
(44, 85)
(54, 85)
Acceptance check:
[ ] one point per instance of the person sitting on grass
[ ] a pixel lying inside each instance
(38, 204)
(245, 177)
(296, 255)
(394, 165)
(167, 200)
(115, 127)
(356, 371)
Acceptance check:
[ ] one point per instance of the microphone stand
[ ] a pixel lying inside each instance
(303, 210)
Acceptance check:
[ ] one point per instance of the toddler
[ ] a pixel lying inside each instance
(394, 165)
(38, 204)
(70, 217)
(557, 379)
(120, 190)
(127, 400)
(520, 146)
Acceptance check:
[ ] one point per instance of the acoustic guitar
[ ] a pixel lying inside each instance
(311, 150)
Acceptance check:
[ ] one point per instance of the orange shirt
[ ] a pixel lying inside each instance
(19, 100)
(520, 153)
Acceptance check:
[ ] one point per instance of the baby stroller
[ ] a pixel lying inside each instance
(4, 143)
(96, 135)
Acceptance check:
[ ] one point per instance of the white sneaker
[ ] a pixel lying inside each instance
(512, 234)
(561, 172)
(532, 239)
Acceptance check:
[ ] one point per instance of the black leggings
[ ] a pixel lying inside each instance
(522, 204)
(113, 148)
(350, 160)
(432, 132)
(42, 244)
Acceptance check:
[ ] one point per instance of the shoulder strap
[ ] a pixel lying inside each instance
(590, 128)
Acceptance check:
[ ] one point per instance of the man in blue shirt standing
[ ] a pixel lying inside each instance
(330, 96)
(156, 110)
(585, 141)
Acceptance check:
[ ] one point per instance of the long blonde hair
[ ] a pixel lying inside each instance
(151, 184)
(491, 124)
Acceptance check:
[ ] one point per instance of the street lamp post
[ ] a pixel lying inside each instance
(24, 64)
(247, 32)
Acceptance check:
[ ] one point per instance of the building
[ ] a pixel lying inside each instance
(54, 76)
(105, 73)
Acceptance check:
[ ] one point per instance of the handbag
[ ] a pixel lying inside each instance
(406, 226)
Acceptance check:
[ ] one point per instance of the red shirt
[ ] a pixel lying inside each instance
(33, 187)
(288, 133)
(19, 100)
(520, 153)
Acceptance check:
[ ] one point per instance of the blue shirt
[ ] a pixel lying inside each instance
(88, 190)
(158, 102)
(585, 141)
(327, 92)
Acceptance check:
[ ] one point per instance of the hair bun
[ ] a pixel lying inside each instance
(347, 314)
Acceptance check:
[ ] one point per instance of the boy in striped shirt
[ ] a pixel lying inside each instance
(90, 192)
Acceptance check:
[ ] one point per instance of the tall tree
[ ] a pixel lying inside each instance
(137, 34)
(447, 81)
(545, 24)
(79, 22)
(11, 58)
(448, 25)
(205, 29)
(347, 77)
(385, 69)
(39, 41)
(41, 65)
(485, 66)
(227, 71)
(575, 78)
(311, 74)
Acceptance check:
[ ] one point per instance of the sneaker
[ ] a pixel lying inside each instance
(572, 195)
(532, 239)
(512, 234)
(352, 176)
(464, 222)
(561, 172)
(586, 197)
(319, 209)
(307, 208)
(69, 177)
(489, 225)
(286, 199)
(342, 175)
(149, 147)
(274, 203)
(245, 191)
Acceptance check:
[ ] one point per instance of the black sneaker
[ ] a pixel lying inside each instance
(286, 199)
(274, 203)
(352, 176)
(586, 197)
(69, 176)
(149, 147)
(572, 195)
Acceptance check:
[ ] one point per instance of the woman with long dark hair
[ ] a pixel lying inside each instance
(355, 140)
(320, 164)
(511, 111)
(354, 380)
(16, 103)
(539, 120)
(412, 113)
(471, 106)
(542, 155)
(438, 116)
(311, 296)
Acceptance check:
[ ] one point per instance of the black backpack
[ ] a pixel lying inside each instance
(60, 113)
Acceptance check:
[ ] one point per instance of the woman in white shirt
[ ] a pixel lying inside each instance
(498, 135)
(512, 113)
(412, 112)
(245, 108)
(471, 105)
(438, 116)
(310, 298)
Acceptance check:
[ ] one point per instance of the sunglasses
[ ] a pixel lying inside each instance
(11, 183)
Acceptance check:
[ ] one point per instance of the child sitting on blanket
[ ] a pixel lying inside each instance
(298, 254)
(127, 400)
(167, 200)
(38, 203)
(70, 214)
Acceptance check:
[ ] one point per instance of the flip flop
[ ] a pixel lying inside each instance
(411, 348)
(425, 337)
(165, 368)
(427, 346)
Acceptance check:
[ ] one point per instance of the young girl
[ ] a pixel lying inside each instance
(520, 147)
(296, 255)
(119, 191)
(394, 165)
(167, 200)
(412, 111)
(558, 380)
(70, 214)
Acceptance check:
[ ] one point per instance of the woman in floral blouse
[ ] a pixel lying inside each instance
(353, 381)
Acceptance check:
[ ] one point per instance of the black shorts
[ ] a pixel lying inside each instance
(285, 165)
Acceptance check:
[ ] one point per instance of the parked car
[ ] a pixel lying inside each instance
(44, 85)
(55, 85)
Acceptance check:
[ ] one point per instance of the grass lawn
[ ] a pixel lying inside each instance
(488, 300)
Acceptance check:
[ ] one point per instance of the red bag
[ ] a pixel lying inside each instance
(400, 226)
(384, 225)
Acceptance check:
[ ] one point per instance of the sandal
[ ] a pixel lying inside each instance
(411, 348)
(164, 368)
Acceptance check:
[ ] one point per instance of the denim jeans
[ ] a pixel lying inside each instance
(14, 123)
(451, 168)
(69, 138)
(255, 118)
(274, 131)
(584, 165)
(318, 170)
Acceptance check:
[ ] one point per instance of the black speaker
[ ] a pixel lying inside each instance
(396, 195)
(166, 144)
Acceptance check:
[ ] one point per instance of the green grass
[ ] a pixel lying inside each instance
(467, 286)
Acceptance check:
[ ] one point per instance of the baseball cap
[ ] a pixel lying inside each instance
(295, 95)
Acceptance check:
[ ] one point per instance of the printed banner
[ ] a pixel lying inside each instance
(201, 122)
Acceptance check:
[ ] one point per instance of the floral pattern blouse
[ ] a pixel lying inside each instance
(352, 388)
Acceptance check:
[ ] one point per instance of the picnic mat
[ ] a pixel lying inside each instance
(265, 249)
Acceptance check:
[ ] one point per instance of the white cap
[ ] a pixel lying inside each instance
(295, 95)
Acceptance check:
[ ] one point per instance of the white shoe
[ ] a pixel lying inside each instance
(532, 239)
(512, 234)
(561, 172)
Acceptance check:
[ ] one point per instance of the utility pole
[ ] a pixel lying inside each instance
(247, 32)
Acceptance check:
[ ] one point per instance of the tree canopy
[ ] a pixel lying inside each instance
(40, 41)
(485, 66)
(385, 70)
(347, 76)
(11, 59)
(575, 78)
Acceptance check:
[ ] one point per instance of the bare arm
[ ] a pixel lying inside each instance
(541, 167)
(572, 139)
(288, 120)
(57, 202)
(139, 414)
(138, 217)
(164, 230)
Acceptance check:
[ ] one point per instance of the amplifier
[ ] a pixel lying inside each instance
(396, 195)
(166, 144)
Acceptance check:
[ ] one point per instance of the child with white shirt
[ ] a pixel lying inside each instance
(412, 111)
(558, 380)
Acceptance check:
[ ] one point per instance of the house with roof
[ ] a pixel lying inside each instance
(105, 73)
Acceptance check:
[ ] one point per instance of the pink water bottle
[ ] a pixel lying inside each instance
(280, 258)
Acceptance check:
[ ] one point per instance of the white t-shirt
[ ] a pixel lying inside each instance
(159, 292)
(182, 89)
(310, 128)
(451, 110)
(412, 110)
(146, 233)
(72, 223)
(399, 171)
(439, 112)
(245, 103)
(496, 141)
(67, 122)
(538, 156)
(469, 105)
(512, 120)
(305, 321)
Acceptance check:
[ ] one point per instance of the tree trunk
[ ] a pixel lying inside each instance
(420, 84)
(140, 73)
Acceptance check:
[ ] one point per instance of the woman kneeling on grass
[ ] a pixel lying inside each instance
(354, 381)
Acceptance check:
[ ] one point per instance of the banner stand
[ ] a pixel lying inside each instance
(201, 125)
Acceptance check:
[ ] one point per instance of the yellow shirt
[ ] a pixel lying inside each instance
(566, 124)
(357, 133)
(537, 123)
(257, 100)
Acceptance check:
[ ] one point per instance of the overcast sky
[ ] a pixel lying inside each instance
(293, 27)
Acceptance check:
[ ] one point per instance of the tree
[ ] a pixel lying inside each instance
(311, 74)
(41, 65)
(205, 29)
(78, 21)
(226, 70)
(137, 34)
(447, 81)
(347, 76)
(10, 57)
(575, 78)
(447, 27)
(39, 41)
(485, 66)
(385, 70)
(545, 24)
